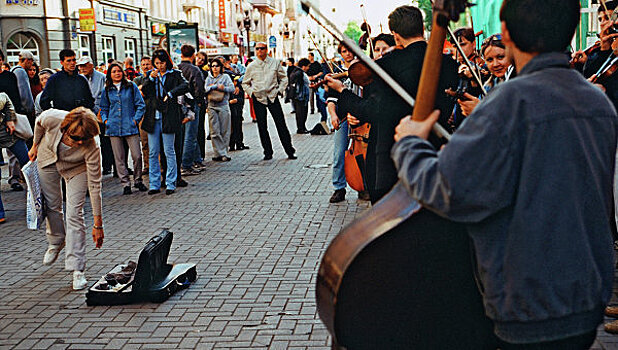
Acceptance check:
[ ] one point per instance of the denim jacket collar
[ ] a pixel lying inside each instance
(545, 60)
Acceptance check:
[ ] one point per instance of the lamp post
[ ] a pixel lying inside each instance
(246, 20)
(288, 31)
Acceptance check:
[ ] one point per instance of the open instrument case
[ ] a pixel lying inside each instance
(152, 279)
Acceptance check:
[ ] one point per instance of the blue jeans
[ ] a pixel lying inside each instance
(190, 150)
(341, 145)
(321, 102)
(20, 151)
(154, 148)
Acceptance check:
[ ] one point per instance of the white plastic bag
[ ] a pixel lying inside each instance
(35, 202)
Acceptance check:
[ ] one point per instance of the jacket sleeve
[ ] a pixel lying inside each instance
(182, 87)
(473, 177)
(87, 95)
(283, 79)
(25, 94)
(93, 174)
(199, 85)
(140, 105)
(228, 85)
(47, 94)
(97, 98)
(7, 109)
(247, 81)
(104, 105)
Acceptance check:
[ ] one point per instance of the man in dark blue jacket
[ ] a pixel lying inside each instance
(530, 173)
(67, 89)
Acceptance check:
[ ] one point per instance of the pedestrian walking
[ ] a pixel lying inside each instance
(122, 109)
(265, 80)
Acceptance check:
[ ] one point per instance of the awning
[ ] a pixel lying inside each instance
(206, 42)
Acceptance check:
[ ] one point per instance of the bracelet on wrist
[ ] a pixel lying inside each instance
(97, 227)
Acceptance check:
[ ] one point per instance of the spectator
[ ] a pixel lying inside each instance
(43, 77)
(129, 71)
(237, 102)
(66, 89)
(298, 92)
(8, 140)
(201, 61)
(191, 159)
(64, 143)
(35, 82)
(26, 59)
(163, 118)
(264, 81)
(8, 85)
(145, 67)
(315, 72)
(6, 66)
(218, 89)
(122, 109)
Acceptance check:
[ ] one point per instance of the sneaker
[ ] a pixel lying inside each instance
(52, 253)
(189, 172)
(79, 280)
(140, 186)
(127, 190)
(338, 196)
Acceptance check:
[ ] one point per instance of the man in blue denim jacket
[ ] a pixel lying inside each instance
(530, 175)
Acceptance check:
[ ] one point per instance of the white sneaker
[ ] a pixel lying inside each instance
(79, 280)
(52, 253)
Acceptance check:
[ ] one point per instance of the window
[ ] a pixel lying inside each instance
(84, 45)
(17, 43)
(108, 48)
(129, 48)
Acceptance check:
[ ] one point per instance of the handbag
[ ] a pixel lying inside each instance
(23, 130)
(216, 96)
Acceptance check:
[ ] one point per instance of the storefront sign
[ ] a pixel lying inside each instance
(222, 17)
(87, 21)
(178, 35)
(119, 16)
(157, 29)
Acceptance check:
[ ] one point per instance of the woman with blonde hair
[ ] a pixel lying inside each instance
(66, 149)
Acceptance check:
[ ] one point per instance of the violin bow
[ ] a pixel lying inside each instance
(320, 51)
(467, 61)
(308, 7)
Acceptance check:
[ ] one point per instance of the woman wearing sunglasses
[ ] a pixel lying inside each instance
(218, 88)
(66, 149)
(122, 108)
(499, 65)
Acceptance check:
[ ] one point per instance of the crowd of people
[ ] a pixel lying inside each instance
(531, 121)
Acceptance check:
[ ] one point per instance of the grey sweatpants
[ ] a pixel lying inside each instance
(74, 234)
(220, 125)
(120, 156)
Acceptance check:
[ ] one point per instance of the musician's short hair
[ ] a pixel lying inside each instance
(535, 27)
(387, 38)
(467, 33)
(406, 21)
(303, 62)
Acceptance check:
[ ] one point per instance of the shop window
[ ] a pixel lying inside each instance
(84, 45)
(129, 48)
(19, 42)
(108, 48)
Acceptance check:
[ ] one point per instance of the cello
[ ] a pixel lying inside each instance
(400, 276)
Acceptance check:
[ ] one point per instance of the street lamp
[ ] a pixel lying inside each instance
(288, 31)
(247, 21)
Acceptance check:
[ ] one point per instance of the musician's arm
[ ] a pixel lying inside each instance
(473, 177)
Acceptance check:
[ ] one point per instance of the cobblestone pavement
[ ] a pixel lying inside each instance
(256, 230)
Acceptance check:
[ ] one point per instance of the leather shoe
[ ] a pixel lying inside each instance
(182, 183)
(168, 192)
(338, 196)
(17, 187)
(52, 253)
(140, 186)
(154, 191)
(127, 190)
(268, 157)
(292, 156)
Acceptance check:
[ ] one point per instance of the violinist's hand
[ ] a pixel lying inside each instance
(334, 84)
(468, 103)
(409, 127)
(579, 57)
(352, 120)
(10, 127)
(592, 78)
(463, 69)
(606, 38)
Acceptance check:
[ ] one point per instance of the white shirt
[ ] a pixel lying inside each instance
(265, 80)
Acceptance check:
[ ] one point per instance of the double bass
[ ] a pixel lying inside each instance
(400, 276)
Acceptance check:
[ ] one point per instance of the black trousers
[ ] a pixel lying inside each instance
(236, 137)
(578, 342)
(282, 129)
(107, 155)
(201, 131)
(302, 109)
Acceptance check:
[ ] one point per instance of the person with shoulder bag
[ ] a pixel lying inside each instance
(218, 88)
(122, 108)
(9, 138)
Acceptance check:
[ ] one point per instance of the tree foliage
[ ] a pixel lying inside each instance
(426, 7)
(353, 31)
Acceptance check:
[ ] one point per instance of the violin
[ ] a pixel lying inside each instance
(323, 81)
(606, 72)
(586, 52)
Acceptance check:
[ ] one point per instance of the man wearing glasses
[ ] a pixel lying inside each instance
(67, 89)
(264, 81)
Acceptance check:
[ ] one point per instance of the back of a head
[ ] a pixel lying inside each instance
(407, 21)
(128, 62)
(303, 62)
(187, 50)
(541, 26)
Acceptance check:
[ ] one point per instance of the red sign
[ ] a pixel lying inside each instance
(222, 22)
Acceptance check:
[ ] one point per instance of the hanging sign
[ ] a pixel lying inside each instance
(87, 21)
